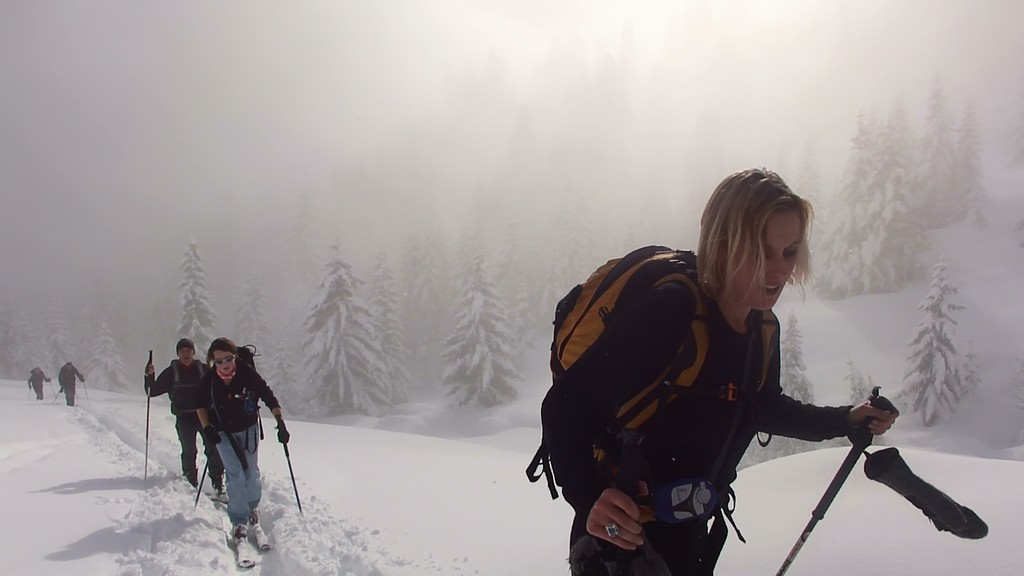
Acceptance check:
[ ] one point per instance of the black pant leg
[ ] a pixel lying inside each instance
(213, 461)
(187, 426)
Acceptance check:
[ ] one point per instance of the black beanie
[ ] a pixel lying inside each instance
(185, 343)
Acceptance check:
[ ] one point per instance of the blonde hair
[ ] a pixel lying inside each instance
(732, 228)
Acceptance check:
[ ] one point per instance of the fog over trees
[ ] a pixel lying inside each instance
(186, 168)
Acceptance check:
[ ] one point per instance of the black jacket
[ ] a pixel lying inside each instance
(233, 406)
(181, 385)
(684, 441)
(67, 375)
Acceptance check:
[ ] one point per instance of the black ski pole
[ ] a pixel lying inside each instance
(145, 468)
(199, 488)
(288, 457)
(861, 440)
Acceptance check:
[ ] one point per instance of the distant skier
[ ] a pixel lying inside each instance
(35, 381)
(66, 378)
(180, 381)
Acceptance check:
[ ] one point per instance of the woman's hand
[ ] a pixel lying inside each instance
(613, 518)
(881, 419)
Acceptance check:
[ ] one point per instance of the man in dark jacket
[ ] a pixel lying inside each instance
(180, 381)
(35, 381)
(66, 378)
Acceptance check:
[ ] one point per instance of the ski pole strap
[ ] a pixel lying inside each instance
(542, 460)
(742, 399)
(728, 507)
(238, 450)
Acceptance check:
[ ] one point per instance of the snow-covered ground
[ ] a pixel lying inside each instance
(392, 503)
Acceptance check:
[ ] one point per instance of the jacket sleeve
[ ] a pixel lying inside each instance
(204, 395)
(583, 402)
(264, 392)
(785, 416)
(162, 384)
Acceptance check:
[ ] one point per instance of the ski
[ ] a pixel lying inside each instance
(261, 538)
(245, 554)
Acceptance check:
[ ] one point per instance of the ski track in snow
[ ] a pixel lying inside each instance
(169, 538)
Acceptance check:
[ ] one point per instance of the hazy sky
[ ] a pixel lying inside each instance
(130, 127)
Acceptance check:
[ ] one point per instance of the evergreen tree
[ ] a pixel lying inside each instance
(106, 368)
(284, 378)
(343, 360)
(299, 239)
(841, 272)
(1017, 150)
(794, 378)
(28, 351)
(969, 188)
(426, 304)
(385, 312)
(197, 319)
(808, 178)
(479, 351)
(58, 338)
(1016, 392)
(932, 379)
(251, 325)
(891, 239)
(8, 340)
(860, 388)
(514, 285)
(937, 174)
(971, 371)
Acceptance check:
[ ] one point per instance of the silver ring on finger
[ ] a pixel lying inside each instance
(612, 530)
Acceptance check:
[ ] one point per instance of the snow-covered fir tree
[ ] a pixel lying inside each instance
(936, 198)
(808, 177)
(860, 387)
(28, 350)
(841, 266)
(479, 353)
(514, 286)
(343, 361)
(197, 319)
(281, 374)
(426, 303)
(971, 373)
(970, 190)
(932, 379)
(891, 238)
(1015, 390)
(58, 338)
(106, 368)
(385, 311)
(794, 377)
(1017, 145)
(251, 325)
(8, 340)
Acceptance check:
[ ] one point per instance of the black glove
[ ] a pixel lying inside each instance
(282, 432)
(211, 434)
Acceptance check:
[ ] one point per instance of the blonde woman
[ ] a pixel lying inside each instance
(753, 242)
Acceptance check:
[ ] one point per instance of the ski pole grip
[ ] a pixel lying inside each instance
(881, 402)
